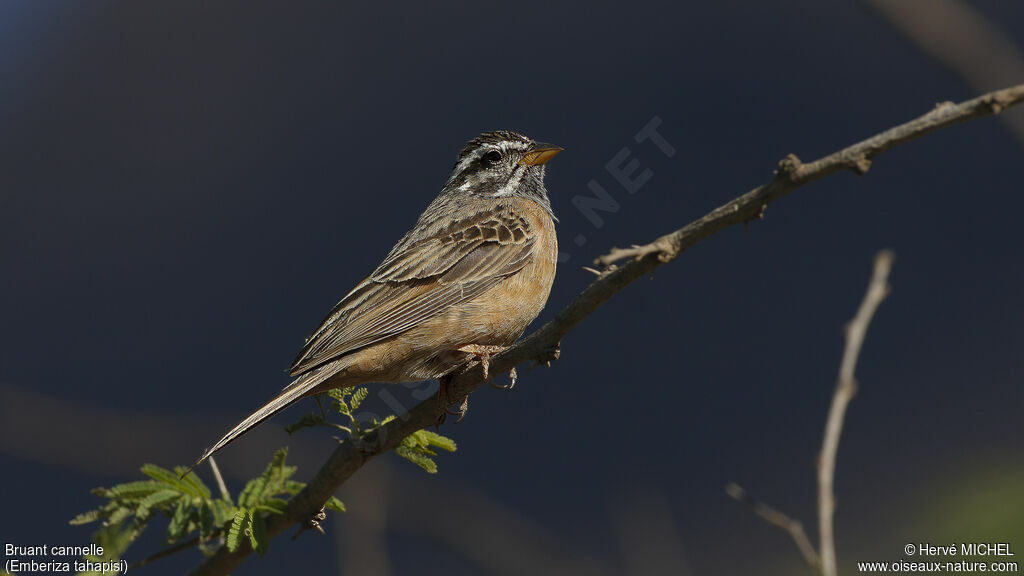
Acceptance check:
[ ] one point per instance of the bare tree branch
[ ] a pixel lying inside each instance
(856, 330)
(878, 289)
(772, 516)
(542, 345)
(792, 174)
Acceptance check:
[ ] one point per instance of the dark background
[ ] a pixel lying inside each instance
(187, 188)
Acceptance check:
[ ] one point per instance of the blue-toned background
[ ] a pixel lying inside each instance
(187, 188)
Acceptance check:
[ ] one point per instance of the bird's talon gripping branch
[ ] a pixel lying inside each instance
(483, 354)
(547, 356)
(461, 410)
(512, 376)
(444, 400)
(444, 394)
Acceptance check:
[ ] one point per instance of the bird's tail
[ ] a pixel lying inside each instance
(300, 387)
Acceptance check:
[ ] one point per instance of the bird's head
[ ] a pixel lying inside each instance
(502, 163)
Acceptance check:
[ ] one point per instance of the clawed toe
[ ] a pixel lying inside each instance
(461, 410)
(512, 381)
(444, 401)
(548, 355)
(483, 353)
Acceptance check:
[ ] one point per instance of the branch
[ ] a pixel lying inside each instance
(856, 330)
(542, 346)
(792, 174)
(772, 516)
(878, 289)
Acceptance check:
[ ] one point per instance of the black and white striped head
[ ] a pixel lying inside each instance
(502, 163)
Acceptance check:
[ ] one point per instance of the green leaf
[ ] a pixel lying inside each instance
(142, 513)
(238, 525)
(99, 514)
(435, 439)
(340, 395)
(114, 540)
(190, 484)
(249, 532)
(119, 514)
(159, 498)
(307, 421)
(292, 487)
(253, 492)
(222, 511)
(192, 480)
(273, 505)
(335, 505)
(90, 516)
(418, 458)
(418, 448)
(180, 520)
(357, 397)
(258, 534)
(206, 517)
(130, 490)
(271, 482)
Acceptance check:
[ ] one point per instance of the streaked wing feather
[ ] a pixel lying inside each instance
(419, 281)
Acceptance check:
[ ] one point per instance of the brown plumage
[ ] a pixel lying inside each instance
(473, 272)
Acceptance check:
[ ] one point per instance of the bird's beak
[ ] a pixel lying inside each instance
(540, 153)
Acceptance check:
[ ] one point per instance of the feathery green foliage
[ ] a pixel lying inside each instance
(417, 448)
(193, 512)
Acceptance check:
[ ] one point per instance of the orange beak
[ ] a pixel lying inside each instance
(540, 154)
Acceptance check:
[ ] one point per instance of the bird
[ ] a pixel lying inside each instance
(461, 285)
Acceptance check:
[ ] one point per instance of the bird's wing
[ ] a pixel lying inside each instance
(420, 280)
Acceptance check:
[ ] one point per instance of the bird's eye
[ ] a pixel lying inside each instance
(492, 156)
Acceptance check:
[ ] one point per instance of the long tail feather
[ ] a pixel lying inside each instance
(293, 392)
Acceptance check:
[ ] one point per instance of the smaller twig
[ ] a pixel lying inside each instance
(856, 330)
(636, 252)
(775, 518)
(220, 480)
(223, 490)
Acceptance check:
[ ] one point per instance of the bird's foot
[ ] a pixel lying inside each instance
(512, 376)
(548, 355)
(483, 354)
(461, 410)
(444, 401)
